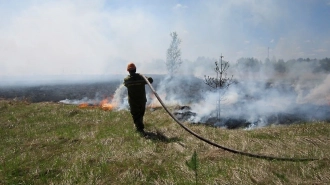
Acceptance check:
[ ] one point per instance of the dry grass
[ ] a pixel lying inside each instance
(50, 143)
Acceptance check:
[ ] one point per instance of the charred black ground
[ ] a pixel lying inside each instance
(184, 114)
(186, 89)
(55, 92)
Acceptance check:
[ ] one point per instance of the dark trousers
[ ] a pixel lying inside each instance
(137, 112)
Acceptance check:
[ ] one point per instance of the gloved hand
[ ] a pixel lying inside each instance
(150, 80)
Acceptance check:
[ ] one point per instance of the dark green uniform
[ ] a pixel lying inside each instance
(137, 97)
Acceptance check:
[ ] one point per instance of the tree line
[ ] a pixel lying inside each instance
(250, 65)
(282, 67)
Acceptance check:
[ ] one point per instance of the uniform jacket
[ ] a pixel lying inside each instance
(136, 88)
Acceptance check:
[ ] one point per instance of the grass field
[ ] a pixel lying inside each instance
(52, 143)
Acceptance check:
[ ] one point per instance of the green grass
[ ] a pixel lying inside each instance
(51, 143)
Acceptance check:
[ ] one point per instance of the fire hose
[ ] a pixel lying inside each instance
(220, 146)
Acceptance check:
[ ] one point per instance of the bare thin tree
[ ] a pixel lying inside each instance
(173, 56)
(221, 82)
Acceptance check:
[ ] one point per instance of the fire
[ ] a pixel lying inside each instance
(83, 105)
(107, 106)
(104, 105)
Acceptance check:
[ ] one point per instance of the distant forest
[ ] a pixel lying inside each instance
(280, 66)
(253, 66)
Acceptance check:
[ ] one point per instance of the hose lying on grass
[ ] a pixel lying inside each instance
(219, 146)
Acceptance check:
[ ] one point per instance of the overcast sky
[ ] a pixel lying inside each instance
(58, 37)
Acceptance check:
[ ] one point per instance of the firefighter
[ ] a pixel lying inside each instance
(135, 84)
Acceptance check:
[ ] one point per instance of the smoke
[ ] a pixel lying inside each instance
(58, 38)
(63, 38)
(319, 95)
(100, 37)
(120, 100)
(260, 95)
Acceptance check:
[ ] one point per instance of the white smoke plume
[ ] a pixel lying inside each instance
(255, 98)
(259, 97)
(120, 100)
(319, 95)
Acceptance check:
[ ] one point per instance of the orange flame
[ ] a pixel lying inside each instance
(83, 105)
(104, 105)
(107, 106)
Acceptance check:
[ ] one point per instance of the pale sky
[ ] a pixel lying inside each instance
(56, 37)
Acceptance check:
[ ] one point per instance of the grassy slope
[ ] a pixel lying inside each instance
(49, 143)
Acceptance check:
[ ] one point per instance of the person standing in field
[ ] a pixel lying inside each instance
(135, 85)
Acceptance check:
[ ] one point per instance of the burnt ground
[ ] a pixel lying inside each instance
(306, 113)
(77, 90)
(55, 92)
(192, 90)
